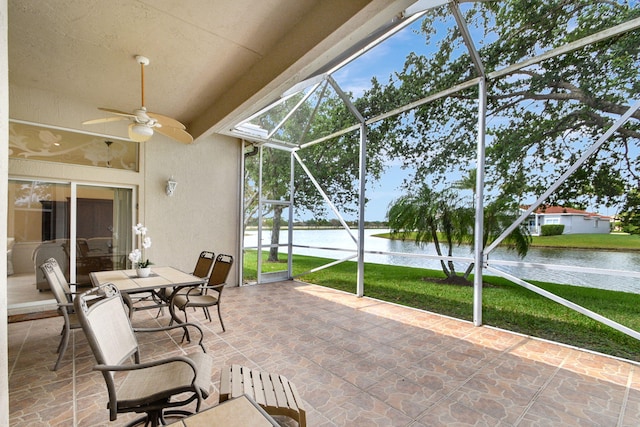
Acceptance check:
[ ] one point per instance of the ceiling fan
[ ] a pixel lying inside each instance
(143, 122)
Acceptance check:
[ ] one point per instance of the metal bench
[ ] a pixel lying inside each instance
(273, 392)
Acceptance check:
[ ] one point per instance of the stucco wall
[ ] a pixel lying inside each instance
(203, 213)
(577, 224)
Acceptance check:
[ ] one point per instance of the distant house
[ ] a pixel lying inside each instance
(575, 221)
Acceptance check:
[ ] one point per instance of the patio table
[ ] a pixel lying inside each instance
(127, 281)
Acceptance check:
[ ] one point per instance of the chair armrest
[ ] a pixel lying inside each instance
(150, 364)
(74, 288)
(215, 287)
(180, 325)
(196, 288)
(65, 305)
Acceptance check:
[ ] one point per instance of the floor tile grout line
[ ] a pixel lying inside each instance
(261, 367)
(625, 400)
(439, 346)
(74, 377)
(22, 344)
(542, 388)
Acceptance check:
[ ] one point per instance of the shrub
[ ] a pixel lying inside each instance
(551, 229)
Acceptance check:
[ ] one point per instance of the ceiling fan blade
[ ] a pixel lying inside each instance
(103, 120)
(117, 112)
(178, 134)
(166, 121)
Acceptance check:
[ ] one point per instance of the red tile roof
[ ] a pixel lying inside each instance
(555, 210)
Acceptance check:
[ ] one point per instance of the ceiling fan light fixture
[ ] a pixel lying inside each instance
(142, 122)
(140, 133)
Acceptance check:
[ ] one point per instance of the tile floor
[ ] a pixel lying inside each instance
(355, 361)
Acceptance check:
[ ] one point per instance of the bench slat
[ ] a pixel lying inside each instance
(225, 384)
(273, 392)
(290, 399)
(278, 390)
(236, 381)
(258, 387)
(268, 390)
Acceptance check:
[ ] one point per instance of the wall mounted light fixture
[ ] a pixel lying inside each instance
(171, 186)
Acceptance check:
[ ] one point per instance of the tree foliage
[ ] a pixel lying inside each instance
(541, 117)
(630, 216)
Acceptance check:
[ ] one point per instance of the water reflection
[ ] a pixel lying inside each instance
(580, 258)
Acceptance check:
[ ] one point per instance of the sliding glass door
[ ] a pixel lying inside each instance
(102, 230)
(44, 217)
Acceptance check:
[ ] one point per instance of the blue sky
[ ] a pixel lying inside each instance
(381, 62)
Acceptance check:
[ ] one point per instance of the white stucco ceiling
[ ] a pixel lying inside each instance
(210, 61)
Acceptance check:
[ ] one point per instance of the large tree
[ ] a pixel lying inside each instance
(541, 117)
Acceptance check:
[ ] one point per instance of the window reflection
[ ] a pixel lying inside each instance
(27, 141)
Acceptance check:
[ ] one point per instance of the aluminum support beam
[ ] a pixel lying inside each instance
(466, 36)
(568, 304)
(361, 203)
(259, 266)
(292, 111)
(479, 204)
(292, 175)
(569, 47)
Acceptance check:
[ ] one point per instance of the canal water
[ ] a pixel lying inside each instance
(576, 258)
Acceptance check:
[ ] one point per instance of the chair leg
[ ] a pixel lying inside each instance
(62, 347)
(186, 332)
(220, 317)
(129, 303)
(145, 421)
(61, 339)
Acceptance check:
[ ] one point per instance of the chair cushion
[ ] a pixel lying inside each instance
(194, 300)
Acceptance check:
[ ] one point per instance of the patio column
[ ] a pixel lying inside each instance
(479, 202)
(361, 201)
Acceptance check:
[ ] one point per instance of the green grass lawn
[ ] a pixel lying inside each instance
(505, 305)
(622, 242)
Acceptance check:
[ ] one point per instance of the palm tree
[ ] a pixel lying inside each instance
(428, 216)
(439, 218)
(467, 182)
